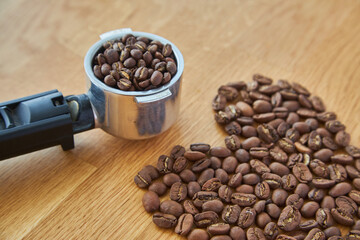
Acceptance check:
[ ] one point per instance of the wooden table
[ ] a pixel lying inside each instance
(88, 192)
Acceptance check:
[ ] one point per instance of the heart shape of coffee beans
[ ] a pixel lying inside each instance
(288, 171)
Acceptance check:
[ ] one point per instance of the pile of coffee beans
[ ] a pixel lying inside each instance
(135, 63)
(288, 171)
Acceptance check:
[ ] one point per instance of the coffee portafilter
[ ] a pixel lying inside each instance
(47, 119)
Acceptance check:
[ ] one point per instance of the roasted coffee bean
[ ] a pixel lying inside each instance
(233, 128)
(319, 168)
(288, 182)
(340, 189)
(352, 172)
(287, 145)
(355, 195)
(142, 180)
(258, 152)
(251, 179)
(249, 143)
(279, 169)
(353, 151)
(328, 142)
(328, 202)
(334, 126)
(289, 94)
(247, 217)
(323, 154)
(276, 99)
(292, 134)
(295, 200)
(342, 216)
(165, 164)
(237, 85)
(203, 196)
(171, 207)
(222, 117)
(308, 225)
(306, 113)
(201, 165)
(332, 231)
(218, 103)
(326, 116)
(309, 209)
(178, 192)
(292, 106)
(151, 201)
(222, 175)
(205, 219)
(180, 164)
(194, 155)
(243, 199)
(273, 210)
(271, 230)
(171, 178)
(302, 189)
(235, 180)
(200, 147)
(213, 205)
(248, 131)
(272, 179)
(292, 118)
(356, 225)
(353, 235)
(264, 117)
(259, 206)
(276, 122)
(237, 233)
(342, 138)
(243, 168)
(356, 183)
(263, 219)
(252, 86)
(262, 190)
(230, 93)
(215, 162)
(189, 207)
(177, 151)
(233, 111)
(212, 184)
(158, 187)
(316, 194)
(230, 214)
(261, 106)
(220, 152)
(206, 175)
(314, 141)
(282, 129)
(337, 172)
(185, 224)
(187, 176)
(324, 218)
(323, 182)
(258, 166)
(347, 204)
(302, 173)
(229, 164)
(342, 159)
(304, 138)
(278, 155)
(315, 233)
(267, 133)
(198, 234)
(219, 229)
(279, 197)
(289, 218)
(262, 79)
(164, 220)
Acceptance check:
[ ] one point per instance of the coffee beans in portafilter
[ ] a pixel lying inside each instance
(135, 63)
(288, 171)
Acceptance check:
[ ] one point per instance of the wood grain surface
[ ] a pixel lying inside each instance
(88, 192)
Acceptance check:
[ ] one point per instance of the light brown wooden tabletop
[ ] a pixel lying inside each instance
(88, 192)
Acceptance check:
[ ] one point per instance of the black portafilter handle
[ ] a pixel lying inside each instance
(43, 120)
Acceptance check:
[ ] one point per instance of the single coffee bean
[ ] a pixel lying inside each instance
(200, 147)
(308, 225)
(259, 206)
(185, 224)
(251, 179)
(187, 176)
(249, 143)
(171, 178)
(279, 169)
(151, 201)
(355, 195)
(352, 172)
(306, 113)
(342, 216)
(293, 135)
(323, 154)
(201, 165)
(277, 121)
(280, 113)
(194, 155)
(246, 217)
(316, 194)
(332, 231)
(222, 175)
(278, 155)
(356, 183)
(198, 234)
(261, 106)
(302, 173)
(342, 159)
(221, 152)
(180, 164)
(246, 109)
(288, 182)
(218, 103)
(302, 190)
(315, 233)
(347, 204)
(328, 142)
(326, 116)
(206, 175)
(248, 131)
(271, 231)
(304, 138)
(323, 182)
(264, 117)
(282, 129)
(178, 192)
(229, 164)
(334, 126)
(340, 189)
(353, 151)
(272, 179)
(279, 197)
(276, 99)
(215, 163)
(233, 128)
(287, 145)
(353, 235)
(259, 152)
(267, 133)
(263, 219)
(324, 218)
(292, 118)
(233, 111)
(203, 196)
(205, 219)
(235, 180)
(295, 200)
(319, 168)
(237, 233)
(230, 214)
(259, 167)
(245, 121)
(158, 187)
(229, 92)
(289, 218)
(189, 207)
(219, 229)
(328, 202)
(142, 180)
(164, 220)
(212, 184)
(243, 168)
(342, 138)
(171, 207)
(292, 106)
(337, 172)
(243, 199)
(262, 190)
(273, 210)
(165, 164)
(213, 205)
(177, 151)
(309, 209)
